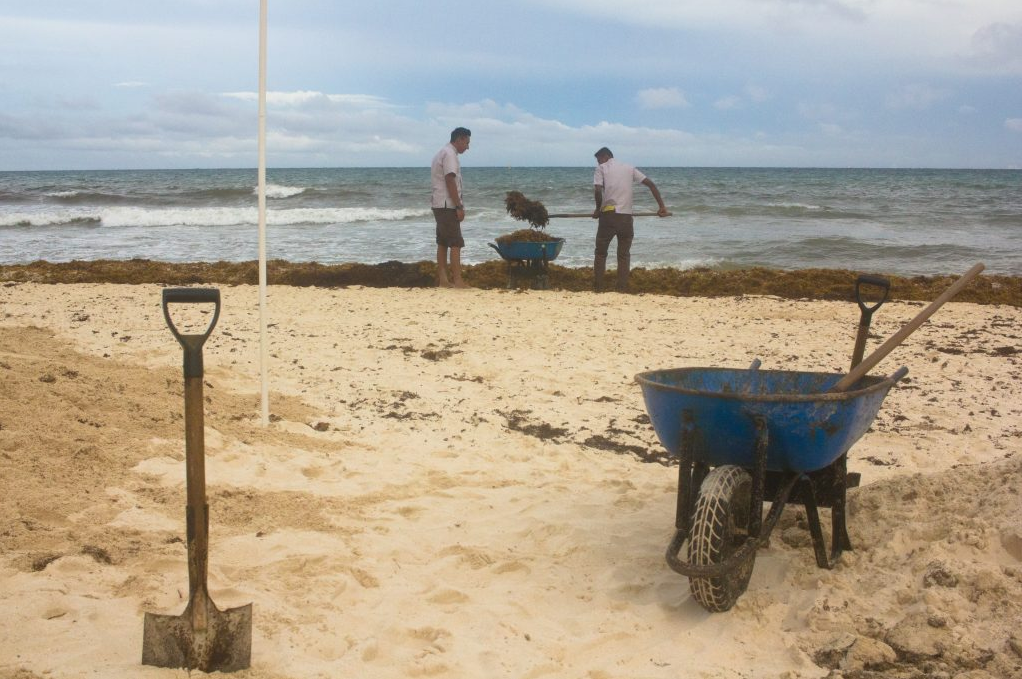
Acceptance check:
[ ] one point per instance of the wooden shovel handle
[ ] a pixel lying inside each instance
(590, 214)
(887, 347)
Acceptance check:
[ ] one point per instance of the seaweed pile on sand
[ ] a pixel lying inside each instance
(531, 211)
(830, 284)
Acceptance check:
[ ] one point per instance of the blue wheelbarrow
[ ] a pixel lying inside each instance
(742, 436)
(528, 261)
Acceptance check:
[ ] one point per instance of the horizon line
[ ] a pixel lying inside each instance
(523, 167)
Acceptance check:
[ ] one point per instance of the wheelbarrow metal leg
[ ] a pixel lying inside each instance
(758, 476)
(828, 488)
(840, 540)
(815, 529)
(690, 478)
(686, 493)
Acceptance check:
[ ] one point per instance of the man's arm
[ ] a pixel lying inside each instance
(662, 212)
(598, 195)
(452, 190)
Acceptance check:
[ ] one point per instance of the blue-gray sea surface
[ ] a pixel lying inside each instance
(905, 222)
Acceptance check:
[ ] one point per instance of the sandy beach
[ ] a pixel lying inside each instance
(466, 484)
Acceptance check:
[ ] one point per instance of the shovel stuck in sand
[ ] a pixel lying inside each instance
(203, 637)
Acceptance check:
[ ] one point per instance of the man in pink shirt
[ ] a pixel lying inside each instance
(448, 208)
(612, 183)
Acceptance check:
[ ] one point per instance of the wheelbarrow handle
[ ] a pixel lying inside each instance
(898, 374)
(192, 344)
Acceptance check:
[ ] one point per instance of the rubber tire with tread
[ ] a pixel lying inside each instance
(720, 525)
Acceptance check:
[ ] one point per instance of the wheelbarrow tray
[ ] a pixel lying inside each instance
(807, 427)
(516, 250)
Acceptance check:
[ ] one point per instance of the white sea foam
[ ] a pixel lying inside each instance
(279, 191)
(50, 217)
(797, 206)
(206, 216)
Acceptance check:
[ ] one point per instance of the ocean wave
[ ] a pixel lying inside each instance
(14, 197)
(78, 197)
(1005, 219)
(209, 216)
(682, 263)
(279, 191)
(217, 194)
(784, 210)
(800, 207)
(50, 218)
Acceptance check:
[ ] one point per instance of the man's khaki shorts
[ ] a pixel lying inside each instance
(448, 228)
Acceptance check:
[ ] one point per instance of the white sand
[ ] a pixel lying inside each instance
(434, 499)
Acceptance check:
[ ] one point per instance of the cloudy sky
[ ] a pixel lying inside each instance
(834, 83)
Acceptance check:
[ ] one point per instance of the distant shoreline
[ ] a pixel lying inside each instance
(828, 284)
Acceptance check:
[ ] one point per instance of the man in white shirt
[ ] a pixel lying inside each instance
(612, 184)
(448, 208)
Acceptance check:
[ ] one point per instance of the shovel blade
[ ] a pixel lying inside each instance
(225, 644)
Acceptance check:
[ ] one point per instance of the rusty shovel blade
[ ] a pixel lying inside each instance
(224, 644)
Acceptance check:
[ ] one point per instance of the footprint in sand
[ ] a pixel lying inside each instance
(312, 472)
(475, 559)
(512, 567)
(448, 596)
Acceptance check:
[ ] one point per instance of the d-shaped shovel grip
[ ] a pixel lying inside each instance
(867, 312)
(192, 344)
(877, 281)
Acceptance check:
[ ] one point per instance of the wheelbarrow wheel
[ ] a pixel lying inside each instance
(720, 525)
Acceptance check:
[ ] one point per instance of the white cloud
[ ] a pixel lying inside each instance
(302, 98)
(662, 97)
(916, 96)
(831, 31)
(753, 93)
(1013, 124)
(735, 13)
(131, 84)
(998, 46)
(727, 103)
(818, 111)
(756, 93)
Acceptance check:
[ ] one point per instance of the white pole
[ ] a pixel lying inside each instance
(263, 344)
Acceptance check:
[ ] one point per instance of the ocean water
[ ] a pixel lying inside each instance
(906, 222)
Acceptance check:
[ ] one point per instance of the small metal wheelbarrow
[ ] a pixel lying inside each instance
(528, 260)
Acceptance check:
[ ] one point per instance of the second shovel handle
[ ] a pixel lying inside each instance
(887, 347)
(867, 311)
(876, 281)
